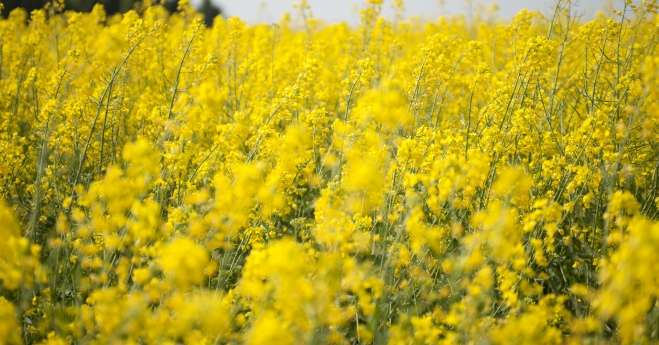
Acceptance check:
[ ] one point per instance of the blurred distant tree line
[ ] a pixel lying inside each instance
(207, 8)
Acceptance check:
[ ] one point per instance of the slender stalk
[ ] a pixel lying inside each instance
(471, 97)
(105, 121)
(177, 80)
(99, 107)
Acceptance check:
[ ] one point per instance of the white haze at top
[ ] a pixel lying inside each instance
(260, 11)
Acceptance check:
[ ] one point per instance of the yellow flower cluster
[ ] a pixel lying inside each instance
(394, 182)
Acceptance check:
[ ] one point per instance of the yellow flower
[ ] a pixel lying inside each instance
(9, 328)
(268, 329)
(183, 262)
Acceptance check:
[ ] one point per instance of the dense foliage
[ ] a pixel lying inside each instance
(396, 182)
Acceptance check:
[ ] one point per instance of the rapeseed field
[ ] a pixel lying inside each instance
(457, 181)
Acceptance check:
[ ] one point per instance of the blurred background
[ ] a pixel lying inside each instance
(255, 11)
(269, 11)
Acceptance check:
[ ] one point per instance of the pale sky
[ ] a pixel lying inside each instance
(256, 11)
